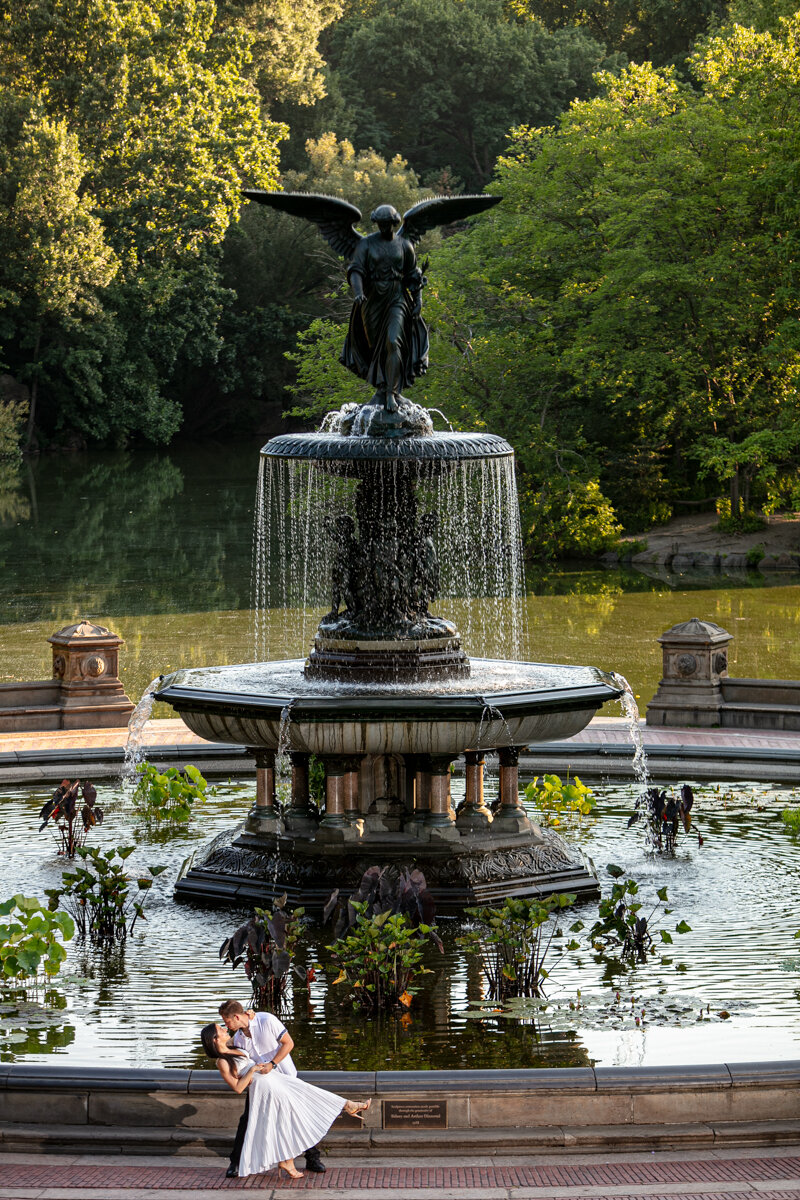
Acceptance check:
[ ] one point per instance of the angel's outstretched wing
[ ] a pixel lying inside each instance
(442, 210)
(333, 217)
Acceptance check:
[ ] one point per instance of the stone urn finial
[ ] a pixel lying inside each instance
(695, 657)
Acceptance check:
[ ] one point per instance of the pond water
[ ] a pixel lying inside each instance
(158, 546)
(727, 991)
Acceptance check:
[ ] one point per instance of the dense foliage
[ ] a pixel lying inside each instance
(31, 940)
(627, 316)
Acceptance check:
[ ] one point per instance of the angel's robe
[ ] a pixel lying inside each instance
(386, 344)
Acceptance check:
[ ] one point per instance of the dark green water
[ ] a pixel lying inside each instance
(157, 545)
(145, 1004)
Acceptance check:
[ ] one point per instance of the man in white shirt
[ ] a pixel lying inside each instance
(266, 1040)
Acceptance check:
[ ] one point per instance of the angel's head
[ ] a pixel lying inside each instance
(387, 218)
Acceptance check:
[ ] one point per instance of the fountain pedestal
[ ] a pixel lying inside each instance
(388, 699)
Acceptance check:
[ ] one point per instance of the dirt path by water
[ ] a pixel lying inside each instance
(696, 541)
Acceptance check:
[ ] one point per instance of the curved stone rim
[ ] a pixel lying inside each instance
(395, 708)
(448, 447)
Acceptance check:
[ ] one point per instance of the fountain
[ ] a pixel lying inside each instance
(374, 518)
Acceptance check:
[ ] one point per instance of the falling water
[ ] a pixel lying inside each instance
(478, 543)
(630, 710)
(134, 748)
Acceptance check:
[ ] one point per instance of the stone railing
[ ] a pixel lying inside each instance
(110, 1109)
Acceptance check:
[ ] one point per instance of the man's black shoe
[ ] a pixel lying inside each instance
(315, 1164)
(232, 1172)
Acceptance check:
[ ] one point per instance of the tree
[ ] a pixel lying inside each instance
(287, 65)
(53, 256)
(168, 126)
(442, 81)
(636, 294)
(658, 31)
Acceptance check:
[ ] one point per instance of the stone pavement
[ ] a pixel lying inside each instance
(767, 1174)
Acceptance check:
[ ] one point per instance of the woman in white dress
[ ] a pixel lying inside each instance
(286, 1114)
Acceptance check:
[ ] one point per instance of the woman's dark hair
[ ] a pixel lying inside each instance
(207, 1036)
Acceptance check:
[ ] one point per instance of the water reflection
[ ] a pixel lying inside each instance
(158, 545)
(739, 892)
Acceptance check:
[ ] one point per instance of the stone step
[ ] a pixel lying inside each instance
(447, 1143)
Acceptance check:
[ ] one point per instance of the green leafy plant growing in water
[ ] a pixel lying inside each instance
(381, 933)
(168, 797)
(381, 957)
(32, 939)
(100, 896)
(571, 801)
(514, 941)
(265, 944)
(621, 929)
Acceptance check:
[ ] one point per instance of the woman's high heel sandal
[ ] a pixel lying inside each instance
(357, 1110)
(291, 1171)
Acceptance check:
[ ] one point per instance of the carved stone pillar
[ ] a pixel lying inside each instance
(474, 815)
(299, 818)
(333, 817)
(511, 816)
(440, 818)
(352, 779)
(264, 813)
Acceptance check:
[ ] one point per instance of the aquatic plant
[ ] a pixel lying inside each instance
(513, 943)
(791, 819)
(99, 895)
(381, 957)
(73, 824)
(32, 939)
(621, 930)
(381, 890)
(168, 797)
(665, 816)
(557, 801)
(265, 944)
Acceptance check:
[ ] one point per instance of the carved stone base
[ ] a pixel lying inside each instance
(377, 660)
(248, 868)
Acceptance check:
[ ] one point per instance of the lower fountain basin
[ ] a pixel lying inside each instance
(272, 705)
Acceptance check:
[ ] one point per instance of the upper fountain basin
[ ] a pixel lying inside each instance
(502, 703)
(337, 447)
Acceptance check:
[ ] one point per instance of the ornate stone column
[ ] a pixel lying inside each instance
(334, 826)
(352, 780)
(474, 815)
(511, 816)
(299, 818)
(440, 820)
(264, 814)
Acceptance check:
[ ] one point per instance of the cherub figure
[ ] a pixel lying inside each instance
(387, 340)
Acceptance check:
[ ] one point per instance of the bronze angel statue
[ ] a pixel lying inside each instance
(387, 339)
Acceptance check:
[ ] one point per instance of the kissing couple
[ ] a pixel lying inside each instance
(283, 1116)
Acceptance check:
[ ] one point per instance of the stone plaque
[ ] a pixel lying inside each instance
(415, 1114)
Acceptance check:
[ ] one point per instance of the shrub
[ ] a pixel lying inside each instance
(99, 895)
(31, 939)
(513, 943)
(168, 797)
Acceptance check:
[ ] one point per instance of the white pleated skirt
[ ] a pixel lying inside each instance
(286, 1117)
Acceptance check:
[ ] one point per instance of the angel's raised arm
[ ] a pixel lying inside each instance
(333, 217)
(442, 210)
